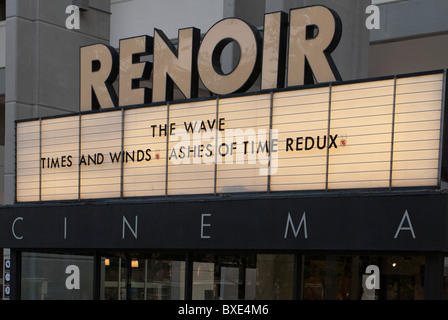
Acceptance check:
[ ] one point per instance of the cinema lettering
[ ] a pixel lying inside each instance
(306, 129)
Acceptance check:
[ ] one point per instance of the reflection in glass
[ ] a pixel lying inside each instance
(243, 276)
(165, 279)
(445, 279)
(340, 277)
(113, 282)
(44, 277)
(147, 277)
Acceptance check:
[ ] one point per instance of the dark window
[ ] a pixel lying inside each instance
(2, 10)
(2, 120)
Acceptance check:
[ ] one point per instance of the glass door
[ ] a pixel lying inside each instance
(143, 277)
(243, 277)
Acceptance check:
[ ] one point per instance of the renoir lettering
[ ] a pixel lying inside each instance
(314, 33)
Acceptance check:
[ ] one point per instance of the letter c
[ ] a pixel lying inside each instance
(13, 226)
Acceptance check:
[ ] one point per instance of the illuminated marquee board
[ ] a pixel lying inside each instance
(377, 134)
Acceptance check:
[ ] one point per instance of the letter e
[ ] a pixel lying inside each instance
(204, 225)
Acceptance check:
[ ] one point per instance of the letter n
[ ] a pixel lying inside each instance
(296, 231)
(126, 223)
(175, 66)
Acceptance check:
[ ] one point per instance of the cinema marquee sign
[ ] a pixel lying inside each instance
(385, 133)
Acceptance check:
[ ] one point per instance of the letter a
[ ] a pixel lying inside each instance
(400, 227)
(72, 21)
(373, 280)
(72, 281)
(373, 21)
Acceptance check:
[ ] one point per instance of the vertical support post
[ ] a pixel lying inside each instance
(216, 149)
(188, 294)
(128, 276)
(271, 111)
(40, 157)
(16, 275)
(96, 276)
(297, 277)
(15, 162)
(122, 156)
(442, 133)
(330, 88)
(79, 159)
(145, 283)
(433, 277)
(393, 134)
(119, 278)
(167, 146)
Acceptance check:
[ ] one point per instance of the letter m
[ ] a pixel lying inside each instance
(294, 230)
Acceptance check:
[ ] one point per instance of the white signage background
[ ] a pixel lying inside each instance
(377, 134)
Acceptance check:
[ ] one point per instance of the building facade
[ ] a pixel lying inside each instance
(308, 231)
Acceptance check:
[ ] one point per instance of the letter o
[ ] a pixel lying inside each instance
(220, 149)
(243, 76)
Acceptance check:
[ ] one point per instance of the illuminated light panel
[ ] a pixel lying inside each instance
(242, 162)
(60, 158)
(100, 135)
(297, 115)
(144, 167)
(187, 172)
(361, 116)
(27, 161)
(374, 144)
(417, 131)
